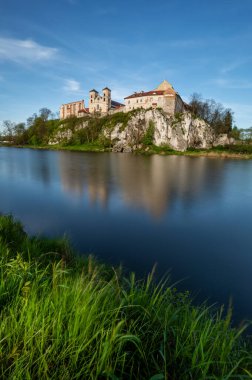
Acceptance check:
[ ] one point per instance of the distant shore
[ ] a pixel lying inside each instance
(218, 152)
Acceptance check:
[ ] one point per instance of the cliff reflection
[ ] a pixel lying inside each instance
(151, 183)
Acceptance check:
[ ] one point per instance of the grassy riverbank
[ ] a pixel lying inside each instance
(64, 317)
(239, 151)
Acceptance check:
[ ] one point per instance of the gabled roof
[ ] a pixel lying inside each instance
(164, 86)
(115, 104)
(150, 93)
(106, 88)
(93, 91)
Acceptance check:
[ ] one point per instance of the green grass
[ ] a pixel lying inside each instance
(65, 317)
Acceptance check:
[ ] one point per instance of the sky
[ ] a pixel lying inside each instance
(55, 51)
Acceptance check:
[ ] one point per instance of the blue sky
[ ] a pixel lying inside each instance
(53, 52)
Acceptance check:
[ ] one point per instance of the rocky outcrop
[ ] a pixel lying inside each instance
(180, 132)
(223, 139)
(64, 133)
(140, 128)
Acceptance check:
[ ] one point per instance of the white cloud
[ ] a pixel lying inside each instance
(23, 51)
(233, 84)
(72, 85)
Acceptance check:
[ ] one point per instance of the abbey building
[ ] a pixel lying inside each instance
(164, 96)
(98, 104)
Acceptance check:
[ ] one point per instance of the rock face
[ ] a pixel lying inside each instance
(223, 139)
(179, 132)
(65, 134)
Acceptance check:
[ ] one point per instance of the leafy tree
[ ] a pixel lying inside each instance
(30, 120)
(20, 135)
(44, 113)
(235, 133)
(220, 119)
(8, 130)
(37, 133)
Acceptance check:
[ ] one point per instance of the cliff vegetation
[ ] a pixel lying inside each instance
(206, 128)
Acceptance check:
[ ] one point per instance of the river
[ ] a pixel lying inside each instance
(191, 216)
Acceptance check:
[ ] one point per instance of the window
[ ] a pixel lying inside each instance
(129, 102)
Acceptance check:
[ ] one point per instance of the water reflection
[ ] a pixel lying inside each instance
(190, 215)
(80, 174)
(150, 183)
(35, 165)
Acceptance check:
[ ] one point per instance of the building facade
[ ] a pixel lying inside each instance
(72, 109)
(164, 96)
(102, 104)
(98, 104)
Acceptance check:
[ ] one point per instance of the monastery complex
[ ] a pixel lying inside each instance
(164, 96)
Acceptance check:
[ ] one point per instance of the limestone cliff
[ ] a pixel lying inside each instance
(180, 132)
(127, 132)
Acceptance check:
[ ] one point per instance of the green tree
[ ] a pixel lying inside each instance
(220, 119)
(20, 136)
(44, 113)
(8, 130)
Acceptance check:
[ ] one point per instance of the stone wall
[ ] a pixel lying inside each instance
(71, 109)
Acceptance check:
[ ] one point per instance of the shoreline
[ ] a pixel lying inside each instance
(90, 318)
(162, 151)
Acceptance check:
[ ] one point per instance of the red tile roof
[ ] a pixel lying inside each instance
(86, 110)
(153, 92)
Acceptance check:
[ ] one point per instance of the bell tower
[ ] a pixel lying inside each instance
(106, 98)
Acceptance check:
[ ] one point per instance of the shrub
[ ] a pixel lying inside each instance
(149, 134)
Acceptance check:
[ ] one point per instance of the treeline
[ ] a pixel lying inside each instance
(220, 118)
(35, 131)
(39, 128)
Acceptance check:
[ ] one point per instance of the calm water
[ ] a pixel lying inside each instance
(192, 216)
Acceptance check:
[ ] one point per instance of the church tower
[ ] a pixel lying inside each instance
(106, 99)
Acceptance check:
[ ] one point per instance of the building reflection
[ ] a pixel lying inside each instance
(82, 174)
(153, 183)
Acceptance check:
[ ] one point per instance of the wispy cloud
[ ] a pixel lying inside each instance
(72, 86)
(231, 66)
(23, 51)
(233, 84)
